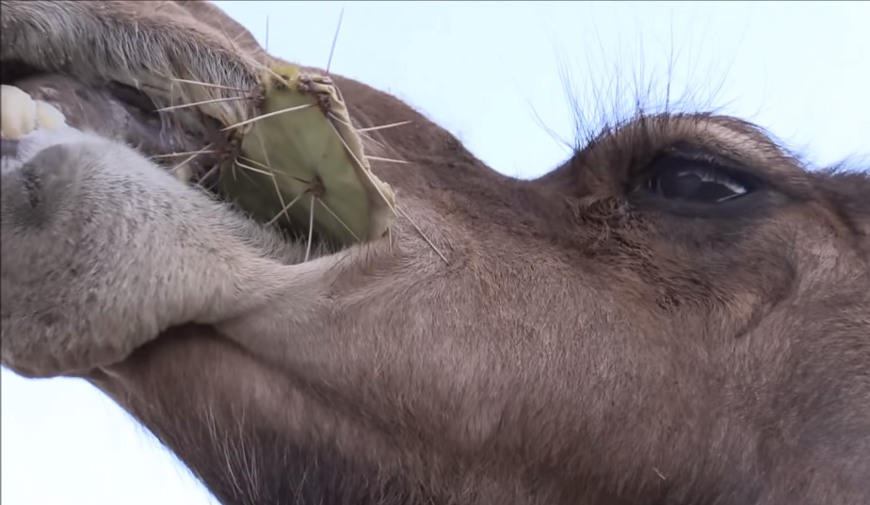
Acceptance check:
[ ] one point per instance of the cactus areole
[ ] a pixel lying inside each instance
(300, 163)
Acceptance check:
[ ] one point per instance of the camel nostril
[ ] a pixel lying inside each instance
(36, 190)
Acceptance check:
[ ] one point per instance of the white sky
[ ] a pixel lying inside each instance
(482, 70)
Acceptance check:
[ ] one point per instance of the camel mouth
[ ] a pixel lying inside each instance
(110, 84)
(119, 112)
(34, 100)
(189, 97)
(170, 93)
(12, 71)
(188, 144)
(44, 84)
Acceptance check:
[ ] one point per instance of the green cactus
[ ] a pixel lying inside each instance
(301, 164)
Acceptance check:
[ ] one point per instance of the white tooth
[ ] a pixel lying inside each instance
(184, 173)
(18, 112)
(48, 116)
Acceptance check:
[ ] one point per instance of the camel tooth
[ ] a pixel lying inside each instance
(18, 112)
(21, 114)
(48, 116)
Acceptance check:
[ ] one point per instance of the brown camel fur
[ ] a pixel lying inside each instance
(605, 334)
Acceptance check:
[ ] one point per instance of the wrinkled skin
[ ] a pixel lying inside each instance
(587, 341)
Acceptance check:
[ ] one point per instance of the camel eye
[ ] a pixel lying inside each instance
(696, 181)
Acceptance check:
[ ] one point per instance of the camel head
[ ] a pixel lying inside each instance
(678, 314)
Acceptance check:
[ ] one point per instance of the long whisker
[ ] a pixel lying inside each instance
(190, 158)
(384, 127)
(274, 179)
(266, 48)
(359, 164)
(336, 118)
(422, 234)
(362, 134)
(390, 160)
(270, 114)
(182, 153)
(204, 102)
(254, 162)
(253, 169)
(285, 209)
(334, 40)
(340, 221)
(251, 60)
(208, 174)
(310, 227)
(207, 85)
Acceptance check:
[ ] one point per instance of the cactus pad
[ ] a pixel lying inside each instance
(300, 162)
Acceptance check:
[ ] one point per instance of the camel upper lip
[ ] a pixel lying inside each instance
(116, 111)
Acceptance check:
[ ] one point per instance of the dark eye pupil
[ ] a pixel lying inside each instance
(695, 185)
(679, 185)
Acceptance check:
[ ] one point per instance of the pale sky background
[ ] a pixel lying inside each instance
(483, 71)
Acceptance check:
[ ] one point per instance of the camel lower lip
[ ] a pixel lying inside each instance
(187, 334)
